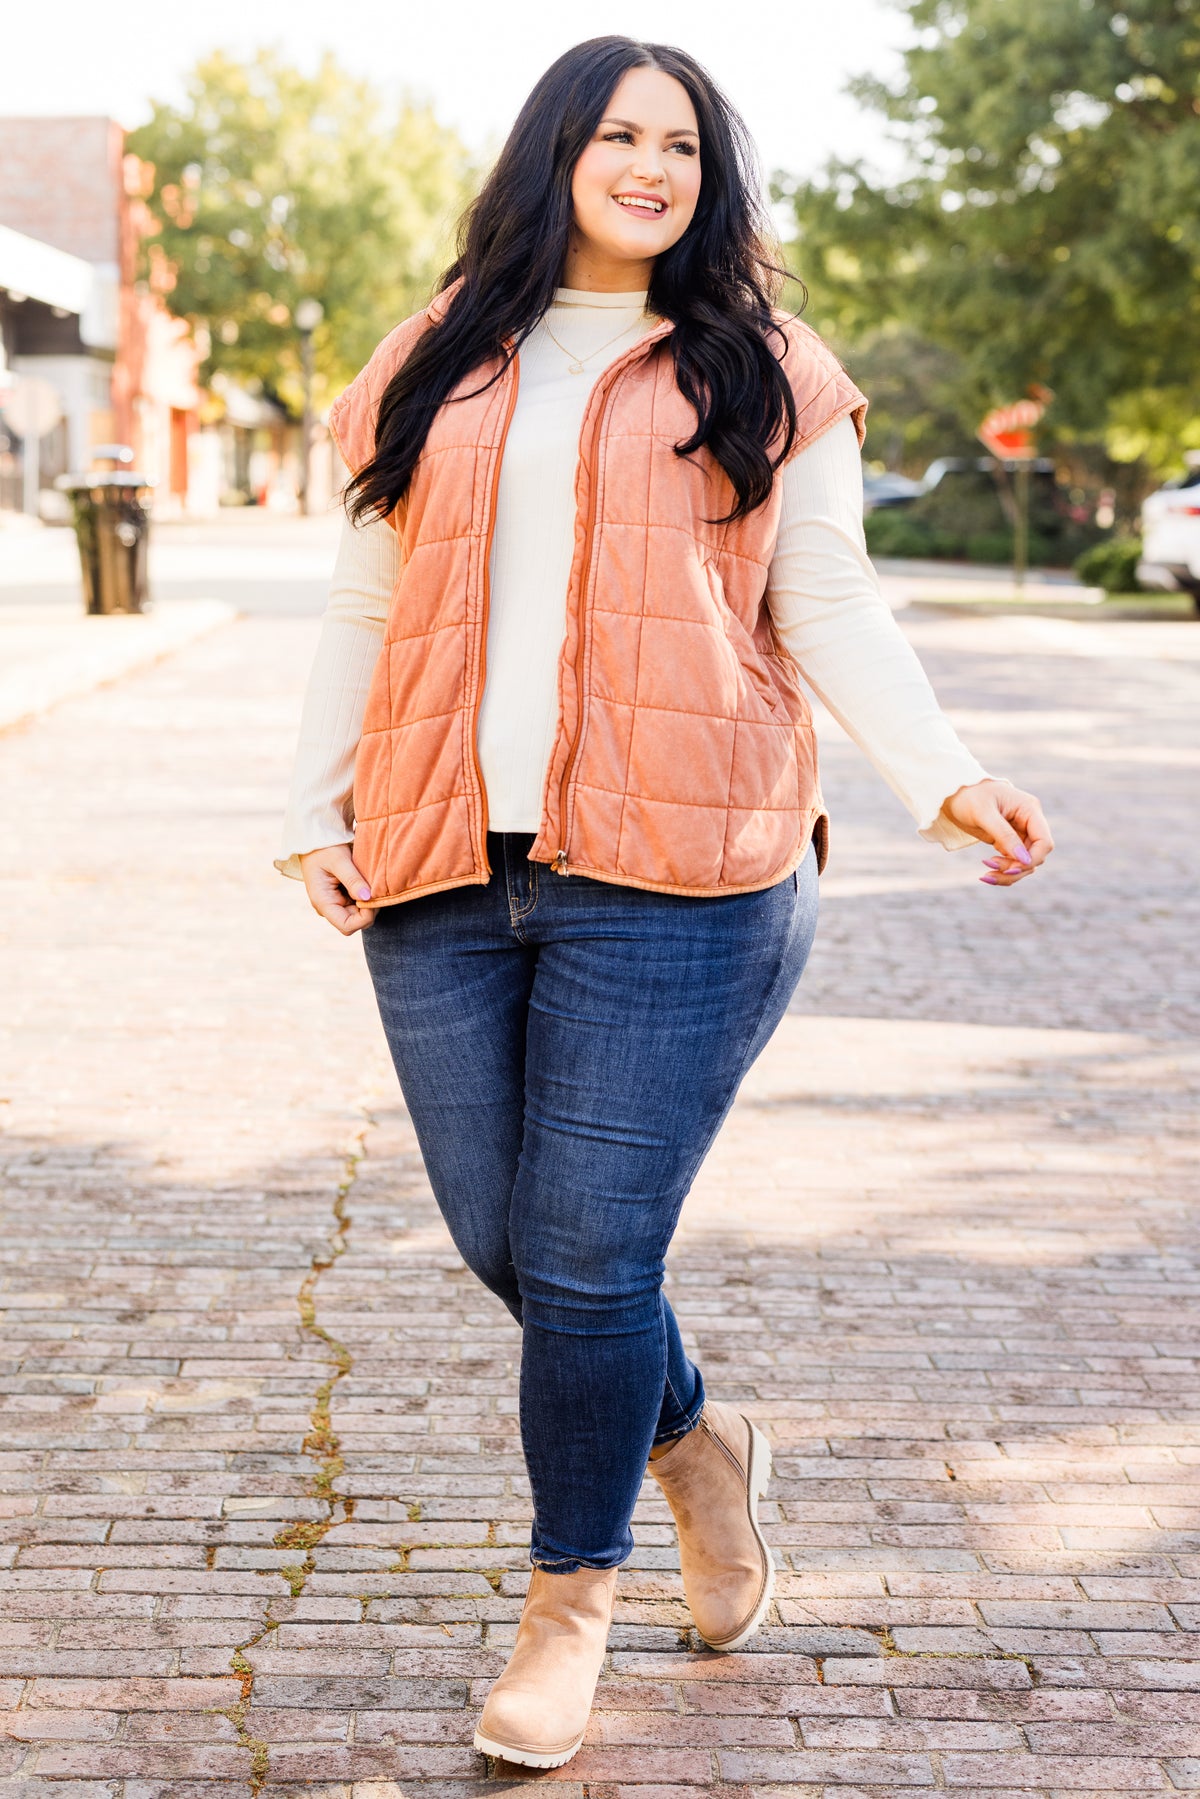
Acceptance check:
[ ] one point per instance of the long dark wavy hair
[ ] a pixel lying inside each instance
(717, 284)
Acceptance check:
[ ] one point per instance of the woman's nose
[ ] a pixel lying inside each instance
(647, 167)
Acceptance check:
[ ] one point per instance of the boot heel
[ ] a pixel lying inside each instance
(758, 1475)
(760, 1462)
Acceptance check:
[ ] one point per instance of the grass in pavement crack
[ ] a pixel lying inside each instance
(321, 1445)
(257, 1750)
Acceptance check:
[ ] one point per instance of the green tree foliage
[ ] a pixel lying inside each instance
(1045, 227)
(914, 388)
(269, 185)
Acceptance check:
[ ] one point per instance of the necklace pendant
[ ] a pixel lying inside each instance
(574, 368)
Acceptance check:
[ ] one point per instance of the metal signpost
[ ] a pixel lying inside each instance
(1007, 432)
(31, 409)
(308, 316)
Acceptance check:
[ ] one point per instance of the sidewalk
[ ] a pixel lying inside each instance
(909, 581)
(53, 652)
(263, 1506)
(202, 574)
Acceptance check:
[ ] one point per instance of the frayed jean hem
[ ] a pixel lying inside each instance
(673, 1436)
(572, 1564)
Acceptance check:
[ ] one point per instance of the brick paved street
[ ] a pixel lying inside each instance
(263, 1508)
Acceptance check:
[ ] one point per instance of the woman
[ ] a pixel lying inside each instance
(606, 500)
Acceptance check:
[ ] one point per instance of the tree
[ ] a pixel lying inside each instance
(1045, 226)
(268, 186)
(914, 388)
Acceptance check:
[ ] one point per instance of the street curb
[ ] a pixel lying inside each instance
(52, 660)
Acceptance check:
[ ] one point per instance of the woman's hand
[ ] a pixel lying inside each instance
(336, 889)
(998, 813)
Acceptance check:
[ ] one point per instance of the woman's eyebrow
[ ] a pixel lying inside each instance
(684, 130)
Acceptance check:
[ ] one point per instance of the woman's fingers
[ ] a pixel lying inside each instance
(330, 901)
(337, 889)
(1037, 832)
(1009, 843)
(340, 864)
(1020, 834)
(1013, 822)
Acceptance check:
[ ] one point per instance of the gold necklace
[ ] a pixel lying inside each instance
(575, 363)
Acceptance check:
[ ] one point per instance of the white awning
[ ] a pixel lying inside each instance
(38, 271)
(243, 407)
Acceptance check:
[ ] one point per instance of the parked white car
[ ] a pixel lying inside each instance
(1171, 534)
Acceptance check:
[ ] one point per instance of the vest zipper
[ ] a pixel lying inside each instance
(559, 864)
(487, 602)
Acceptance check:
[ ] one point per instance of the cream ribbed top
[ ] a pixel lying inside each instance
(822, 591)
(533, 543)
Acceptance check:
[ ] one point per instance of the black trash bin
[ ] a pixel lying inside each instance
(112, 529)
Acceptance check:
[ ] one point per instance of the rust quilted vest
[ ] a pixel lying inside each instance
(685, 759)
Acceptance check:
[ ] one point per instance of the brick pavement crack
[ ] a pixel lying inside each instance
(321, 1444)
(258, 1750)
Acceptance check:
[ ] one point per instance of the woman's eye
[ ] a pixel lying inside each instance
(626, 137)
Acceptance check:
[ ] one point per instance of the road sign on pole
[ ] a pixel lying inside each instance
(31, 408)
(1007, 432)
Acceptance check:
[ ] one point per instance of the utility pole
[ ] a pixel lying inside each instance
(1007, 432)
(1021, 531)
(308, 316)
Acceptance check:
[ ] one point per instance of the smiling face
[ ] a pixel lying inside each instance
(634, 189)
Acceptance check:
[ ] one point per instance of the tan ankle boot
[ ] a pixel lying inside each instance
(712, 1479)
(538, 1710)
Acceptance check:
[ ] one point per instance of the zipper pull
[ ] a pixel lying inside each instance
(559, 864)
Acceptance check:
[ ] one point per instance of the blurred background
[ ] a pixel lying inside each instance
(209, 218)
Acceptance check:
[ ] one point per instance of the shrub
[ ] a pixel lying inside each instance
(999, 548)
(990, 546)
(1111, 565)
(893, 532)
(962, 518)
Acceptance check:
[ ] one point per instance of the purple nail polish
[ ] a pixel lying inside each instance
(1022, 855)
(364, 893)
(989, 880)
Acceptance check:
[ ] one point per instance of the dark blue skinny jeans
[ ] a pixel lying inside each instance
(567, 1049)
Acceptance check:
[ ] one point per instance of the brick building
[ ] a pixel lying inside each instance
(123, 368)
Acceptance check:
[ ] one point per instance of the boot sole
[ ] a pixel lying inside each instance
(524, 1758)
(758, 1476)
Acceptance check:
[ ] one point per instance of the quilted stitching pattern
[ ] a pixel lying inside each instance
(695, 764)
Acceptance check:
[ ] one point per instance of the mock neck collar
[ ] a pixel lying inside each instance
(440, 305)
(579, 296)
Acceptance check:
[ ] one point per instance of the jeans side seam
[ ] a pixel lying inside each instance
(690, 1413)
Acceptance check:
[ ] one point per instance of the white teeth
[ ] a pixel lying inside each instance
(642, 205)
